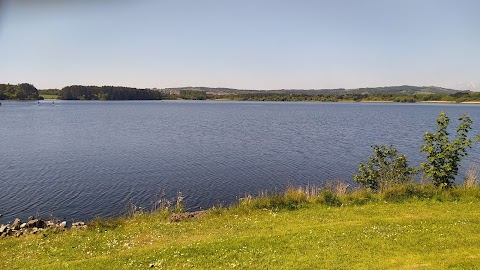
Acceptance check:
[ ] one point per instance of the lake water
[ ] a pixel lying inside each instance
(79, 159)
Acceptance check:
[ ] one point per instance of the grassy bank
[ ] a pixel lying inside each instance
(401, 228)
(47, 96)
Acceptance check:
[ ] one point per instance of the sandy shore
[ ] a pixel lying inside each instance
(376, 101)
(437, 101)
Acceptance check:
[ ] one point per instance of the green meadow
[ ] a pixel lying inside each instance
(47, 96)
(405, 227)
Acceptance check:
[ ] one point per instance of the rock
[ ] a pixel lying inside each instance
(79, 225)
(34, 230)
(16, 224)
(18, 234)
(50, 223)
(32, 223)
(41, 224)
(31, 218)
(36, 223)
(3, 228)
(63, 225)
(23, 225)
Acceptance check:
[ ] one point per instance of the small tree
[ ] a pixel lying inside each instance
(443, 155)
(384, 169)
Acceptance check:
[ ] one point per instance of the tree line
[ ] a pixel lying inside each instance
(27, 91)
(339, 97)
(80, 92)
(23, 91)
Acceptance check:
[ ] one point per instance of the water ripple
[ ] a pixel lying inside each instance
(82, 159)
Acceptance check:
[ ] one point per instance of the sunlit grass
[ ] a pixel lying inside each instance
(402, 228)
(47, 96)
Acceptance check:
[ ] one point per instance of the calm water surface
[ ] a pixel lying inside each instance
(79, 159)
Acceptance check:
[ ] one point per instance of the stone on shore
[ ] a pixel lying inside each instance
(34, 226)
(79, 225)
(16, 224)
(3, 228)
(63, 225)
(36, 223)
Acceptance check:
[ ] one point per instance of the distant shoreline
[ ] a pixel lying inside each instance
(439, 101)
(470, 102)
(226, 99)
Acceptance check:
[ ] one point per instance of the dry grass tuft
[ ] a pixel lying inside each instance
(471, 177)
(338, 187)
(161, 203)
(310, 191)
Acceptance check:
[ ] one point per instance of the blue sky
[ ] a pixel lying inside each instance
(258, 44)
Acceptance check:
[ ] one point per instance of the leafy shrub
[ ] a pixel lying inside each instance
(443, 155)
(329, 198)
(384, 169)
(294, 199)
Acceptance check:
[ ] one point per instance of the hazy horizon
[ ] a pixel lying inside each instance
(263, 45)
(234, 88)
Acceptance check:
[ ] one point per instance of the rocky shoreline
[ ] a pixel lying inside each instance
(35, 226)
(39, 225)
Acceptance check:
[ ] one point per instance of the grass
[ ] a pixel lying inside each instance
(406, 227)
(46, 96)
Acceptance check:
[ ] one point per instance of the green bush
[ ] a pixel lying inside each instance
(384, 169)
(443, 155)
(294, 199)
(329, 198)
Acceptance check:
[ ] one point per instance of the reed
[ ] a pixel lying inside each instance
(471, 176)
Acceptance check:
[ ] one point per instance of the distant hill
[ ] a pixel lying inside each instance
(404, 90)
(407, 90)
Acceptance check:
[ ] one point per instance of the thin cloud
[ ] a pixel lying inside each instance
(2, 10)
(56, 2)
(475, 86)
(36, 4)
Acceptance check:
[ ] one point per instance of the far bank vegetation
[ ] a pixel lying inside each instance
(403, 94)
